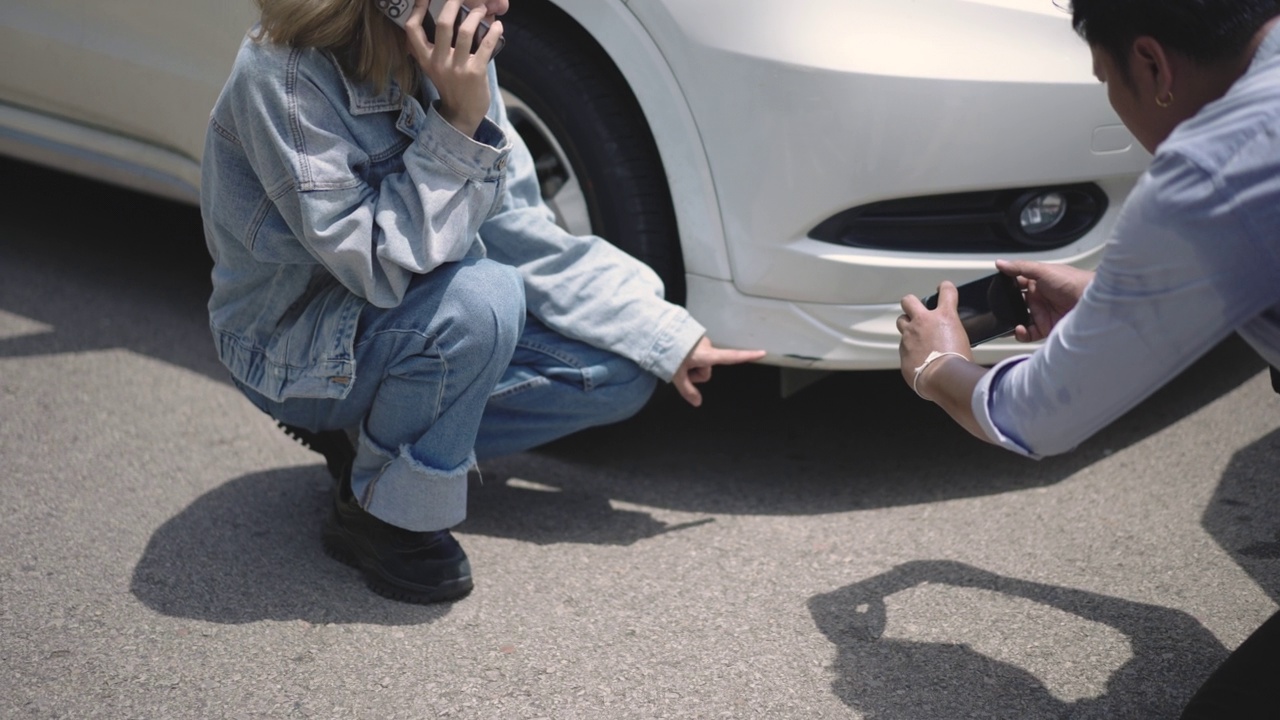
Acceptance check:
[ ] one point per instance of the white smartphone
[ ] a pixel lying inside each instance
(398, 11)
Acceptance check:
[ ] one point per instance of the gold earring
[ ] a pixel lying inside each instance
(1165, 103)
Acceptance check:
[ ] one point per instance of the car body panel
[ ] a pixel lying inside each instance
(119, 90)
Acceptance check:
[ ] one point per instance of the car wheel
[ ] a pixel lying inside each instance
(596, 159)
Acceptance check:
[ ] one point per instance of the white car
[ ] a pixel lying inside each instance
(790, 169)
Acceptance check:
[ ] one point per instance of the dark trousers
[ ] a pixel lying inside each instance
(1247, 684)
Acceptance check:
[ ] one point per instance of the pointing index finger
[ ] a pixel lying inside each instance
(735, 357)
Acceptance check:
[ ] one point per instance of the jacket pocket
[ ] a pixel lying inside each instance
(271, 240)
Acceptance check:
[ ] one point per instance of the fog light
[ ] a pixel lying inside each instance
(1042, 212)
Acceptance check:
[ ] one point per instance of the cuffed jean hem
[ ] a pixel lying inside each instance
(408, 494)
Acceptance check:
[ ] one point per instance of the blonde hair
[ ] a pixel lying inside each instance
(368, 45)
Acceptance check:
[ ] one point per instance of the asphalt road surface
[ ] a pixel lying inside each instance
(845, 553)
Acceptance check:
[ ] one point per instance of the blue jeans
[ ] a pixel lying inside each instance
(458, 370)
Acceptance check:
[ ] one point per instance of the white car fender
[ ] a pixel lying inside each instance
(625, 40)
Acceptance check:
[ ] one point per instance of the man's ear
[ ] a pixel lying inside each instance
(1150, 68)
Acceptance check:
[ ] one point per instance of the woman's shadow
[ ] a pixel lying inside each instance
(250, 550)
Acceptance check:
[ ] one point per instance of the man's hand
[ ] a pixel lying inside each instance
(1051, 291)
(696, 368)
(925, 331)
(950, 378)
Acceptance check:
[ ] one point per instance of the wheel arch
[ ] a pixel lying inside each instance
(612, 26)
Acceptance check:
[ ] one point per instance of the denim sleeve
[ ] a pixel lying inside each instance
(1179, 274)
(582, 286)
(374, 233)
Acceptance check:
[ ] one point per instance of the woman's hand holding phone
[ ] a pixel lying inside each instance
(461, 77)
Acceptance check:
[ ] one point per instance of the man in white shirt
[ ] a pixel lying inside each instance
(1194, 257)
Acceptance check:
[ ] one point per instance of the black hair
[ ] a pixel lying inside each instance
(1206, 31)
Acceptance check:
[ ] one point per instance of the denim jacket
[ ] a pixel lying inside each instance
(320, 195)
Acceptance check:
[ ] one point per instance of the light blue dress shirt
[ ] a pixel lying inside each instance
(1195, 256)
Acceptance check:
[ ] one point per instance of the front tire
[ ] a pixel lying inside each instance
(596, 159)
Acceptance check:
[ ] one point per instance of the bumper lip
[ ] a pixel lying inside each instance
(814, 336)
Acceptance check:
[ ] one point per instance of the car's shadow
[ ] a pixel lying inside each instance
(105, 268)
(853, 441)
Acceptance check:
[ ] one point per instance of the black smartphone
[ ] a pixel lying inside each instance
(398, 11)
(989, 308)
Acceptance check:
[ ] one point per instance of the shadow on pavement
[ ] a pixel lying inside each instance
(250, 550)
(854, 441)
(547, 516)
(1172, 654)
(112, 269)
(1244, 515)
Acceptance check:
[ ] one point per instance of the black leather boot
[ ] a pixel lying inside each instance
(416, 567)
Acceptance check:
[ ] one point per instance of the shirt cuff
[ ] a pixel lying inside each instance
(981, 403)
(677, 339)
(482, 158)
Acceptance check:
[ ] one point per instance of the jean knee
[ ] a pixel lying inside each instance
(488, 302)
(504, 291)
